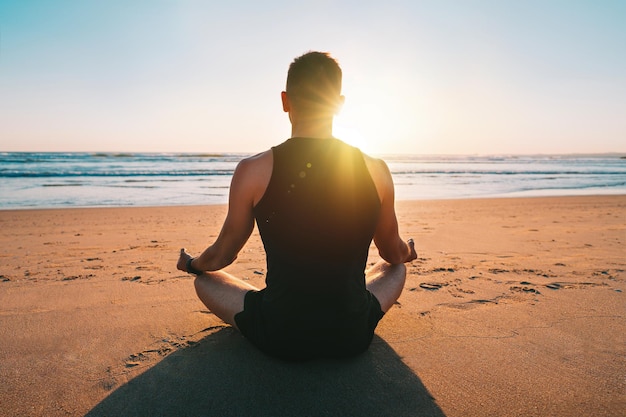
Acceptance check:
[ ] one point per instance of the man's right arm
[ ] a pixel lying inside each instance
(390, 245)
(247, 187)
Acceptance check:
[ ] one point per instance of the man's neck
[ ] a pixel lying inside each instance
(312, 130)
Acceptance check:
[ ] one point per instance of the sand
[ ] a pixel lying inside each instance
(514, 307)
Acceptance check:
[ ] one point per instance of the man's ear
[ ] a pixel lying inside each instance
(286, 103)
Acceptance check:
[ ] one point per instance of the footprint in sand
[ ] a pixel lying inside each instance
(132, 279)
(524, 289)
(430, 286)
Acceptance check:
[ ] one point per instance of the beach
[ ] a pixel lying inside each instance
(515, 306)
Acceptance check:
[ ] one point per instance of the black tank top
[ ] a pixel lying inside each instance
(317, 219)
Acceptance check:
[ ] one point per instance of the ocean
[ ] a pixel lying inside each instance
(55, 180)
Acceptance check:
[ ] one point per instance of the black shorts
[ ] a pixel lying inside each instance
(305, 343)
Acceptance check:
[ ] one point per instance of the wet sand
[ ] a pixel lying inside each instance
(514, 307)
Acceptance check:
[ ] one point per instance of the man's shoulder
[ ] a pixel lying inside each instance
(253, 174)
(380, 175)
(257, 161)
(376, 166)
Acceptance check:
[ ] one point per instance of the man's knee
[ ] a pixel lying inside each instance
(393, 271)
(201, 281)
(401, 268)
(398, 273)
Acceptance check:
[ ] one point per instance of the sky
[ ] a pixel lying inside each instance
(420, 77)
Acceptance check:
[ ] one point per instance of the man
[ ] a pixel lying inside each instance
(318, 203)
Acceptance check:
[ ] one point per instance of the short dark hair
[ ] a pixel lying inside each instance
(314, 80)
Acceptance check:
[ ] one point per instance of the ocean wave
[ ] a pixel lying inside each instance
(506, 172)
(100, 157)
(169, 173)
(126, 179)
(122, 174)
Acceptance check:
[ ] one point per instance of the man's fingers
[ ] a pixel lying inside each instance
(411, 244)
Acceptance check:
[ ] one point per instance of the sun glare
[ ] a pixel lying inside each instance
(376, 121)
(351, 136)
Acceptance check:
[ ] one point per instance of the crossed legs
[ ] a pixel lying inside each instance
(386, 282)
(224, 294)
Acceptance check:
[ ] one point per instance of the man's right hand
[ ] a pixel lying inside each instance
(412, 253)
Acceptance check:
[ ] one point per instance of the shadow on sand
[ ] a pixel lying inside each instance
(223, 375)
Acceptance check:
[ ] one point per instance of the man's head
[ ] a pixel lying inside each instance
(314, 84)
